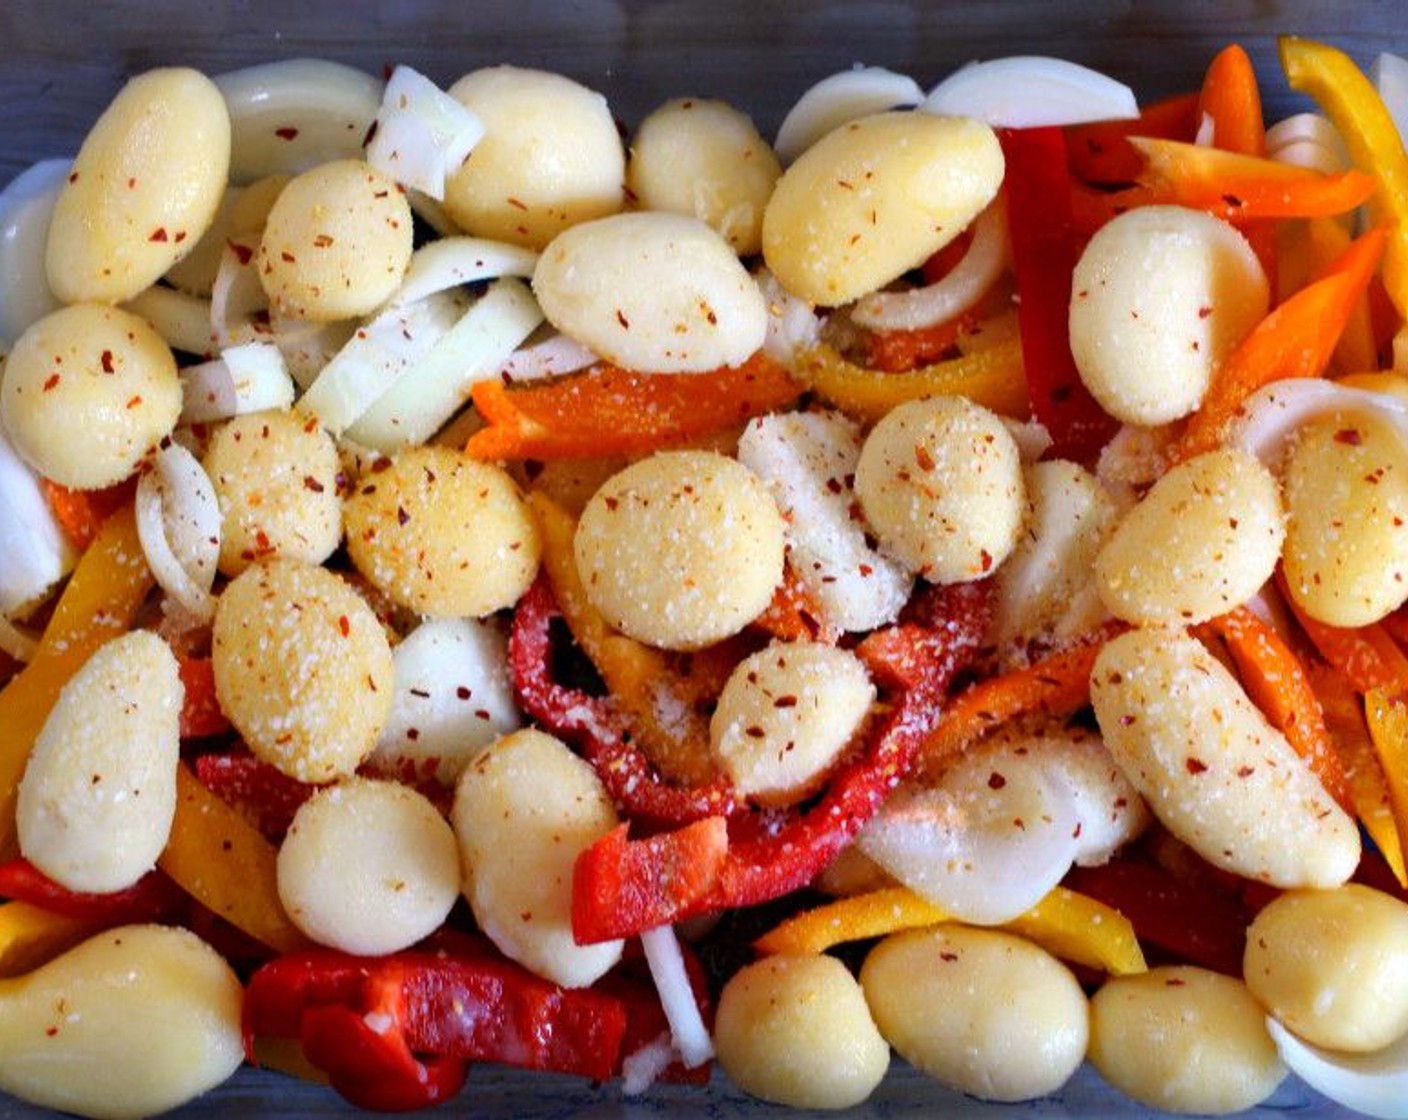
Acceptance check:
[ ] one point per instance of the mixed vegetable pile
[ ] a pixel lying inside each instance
(475, 589)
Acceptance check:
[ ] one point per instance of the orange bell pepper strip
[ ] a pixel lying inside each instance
(1367, 655)
(1368, 786)
(100, 601)
(903, 350)
(1277, 683)
(1354, 106)
(1238, 187)
(1387, 717)
(31, 936)
(81, 513)
(1070, 925)
(200, 711)
(1101, 152)
(608, 411)
(991, 377)
(1297, 339)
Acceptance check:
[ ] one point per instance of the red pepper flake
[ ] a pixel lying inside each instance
(287, 257)
(51, 382)
(287, 132)
(73, 176)
(1233, 201)
(180, 236)
(158, 234)
(401, 515)
(996, 780)
(517, 204)
(924, 458)
(242, 252)
(323, 241)
(106, 359)
(1204, 312)
(755, 732)
(134, 402)
(311, 483)
(621, 318)
(1351, 437)
(785, 702)
(462, 692)
(1195, 765)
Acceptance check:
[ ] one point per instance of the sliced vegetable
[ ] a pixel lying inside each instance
(609, 411)
(152, 898)
(421, 134)
(450, 262)
(1387, 716)
(250, 377)
(201, 716)
(183, 320)
(26, 205)
(179, 525)
(1374, 1084)
(31, 935)
(1367, 655)
(1101, 152)
(264, 796)
(1031, 92)
(840, 98)
(37, 544)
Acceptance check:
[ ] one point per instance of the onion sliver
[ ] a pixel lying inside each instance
(964, 285)
(178, 523)
(429, 392)
(288, 116)
(26, 205)
(1390, 74)
(550, 356)
(422, 134)
(1375, 1084)
(237, 298)
(181, 319)
(36, 551)
(842, 97)
(1271, 415)
(453, 261)
(666, 961)
(246, 378)
(1028, 91)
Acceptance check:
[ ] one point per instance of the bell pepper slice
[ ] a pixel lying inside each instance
(1352, 103)
(991, 377)
(1387, 717)
(100, 601)
(1294, 340)
(1276, 681)
(32, 935)
(1101, 153)
(901, 351)
(201, 716)
(153, 898)
(1367, 655)
(266, 796)
(1045, 249)
(81, 513)
(1368, 786)
(609, 411)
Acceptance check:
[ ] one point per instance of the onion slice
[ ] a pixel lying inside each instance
(288, 116)
(432, 389)
(964, 285)
(26, 205)
(237, 298)
(666, 961)
(178, 523)
(1028, 91)
(450, 262)
(549, 356)
(422, 134)
(840, 98)
(183, 320)
(1374, 1084)
(1390, 75)
(36, 551)
(246, 378)
(1270, 417)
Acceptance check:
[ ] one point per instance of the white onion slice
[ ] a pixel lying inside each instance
(432, 213)
(36, 551)
(182, 320)
(452, 261)
(422, 134)
(246, 378)
(666, 961)
(288, 116)
(178, 523)
(1374, 1084)
(550, 356)
(1390, 75)
(793, 325)
(842, 97)
(434, 388)
(964, 285)
(375, 356)
(1270, 416)
(1309, 155)
(26, 205)
(641, 1068)
(988, 843)
(308, 346)
(1027, 91)
(238, 302)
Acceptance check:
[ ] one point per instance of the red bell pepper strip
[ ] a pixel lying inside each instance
(266, 796)
(1045, 249)
(784, 854)
(81, 513)
(201, 716)
(1101, 152)
(153, 898)
(596, 729)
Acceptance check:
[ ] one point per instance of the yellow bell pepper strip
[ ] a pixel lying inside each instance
(1295, 340)
(220, 859)
(991, 377)
(1070, 925)
(609, 411)
(100, 601)
(31, 936)
(1238, 187)
(1368, 787)
(641, 681)
(1387, 716)
(1101, 152)
(1349, 99)
(1276, 682)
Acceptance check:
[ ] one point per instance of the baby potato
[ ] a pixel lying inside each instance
(681, 549)
(1219, 777)
(525, 808)
(302, 668)
(795, 1030)
(984, 1012)
(144, 188)
(550, 157)
(275, 478)
(1184, 1039)
(1332, 965)
(368, 867)
(940, 482)
(705, 159)
(1346, 549)
(97, 373)
(442, 534)
(1160, 297)
(336, 243)
(1204, 539)
(875, 198)
(784, 717)
(653, 291)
